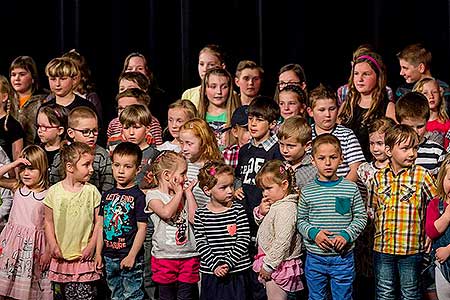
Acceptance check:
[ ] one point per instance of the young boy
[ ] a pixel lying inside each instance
(124, 226)
(323, 109)
(239, 130)
(331, 215)
(248, 79)
(295, 138)
(83, 127)
(398, 197)
(412, 109)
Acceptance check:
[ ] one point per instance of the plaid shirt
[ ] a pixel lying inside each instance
(399, 204)
(231, 154)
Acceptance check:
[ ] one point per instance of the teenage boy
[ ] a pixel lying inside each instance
(248, 79)
(412, 109)
(331, 215)
(124, 226)
(398, 197)
(83, 127)
(323, 109)
(295, 138)
(239, 130)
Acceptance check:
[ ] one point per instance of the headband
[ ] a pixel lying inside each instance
(371, 59)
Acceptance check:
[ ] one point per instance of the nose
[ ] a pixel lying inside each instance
(131, 130)
(327, 161)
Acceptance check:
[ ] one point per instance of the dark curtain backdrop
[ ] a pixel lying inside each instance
(320, 35)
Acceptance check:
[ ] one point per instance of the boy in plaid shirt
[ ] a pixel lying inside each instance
(398, 197)
(239, 130)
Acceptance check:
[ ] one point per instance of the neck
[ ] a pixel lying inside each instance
(176, 141)
(217, 206)
(262, 139)
(296, 163)
(396, 167)
(53, 145)
(381, 163)
(365, 101)
(35, 188)
(320, 131)
(245, 100)
(164, 187)
(143, 145)
(215, 110)
(433, 115)
(66, 100)
(2, 112)
(72, 184)
(334, 177)
(24, 94)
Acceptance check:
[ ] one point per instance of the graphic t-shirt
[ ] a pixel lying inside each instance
(121, 210)
(217, 124)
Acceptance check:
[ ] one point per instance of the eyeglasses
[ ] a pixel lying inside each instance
(283, 84)
(44, 128)
(87, 132)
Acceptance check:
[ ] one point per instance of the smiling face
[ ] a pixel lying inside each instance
(410, 72)
(290, 104)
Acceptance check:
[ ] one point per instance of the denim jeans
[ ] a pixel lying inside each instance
(125, 283)
(389, 267)
(340, 271)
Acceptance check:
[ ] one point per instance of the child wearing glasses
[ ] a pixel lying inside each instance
(83, 127)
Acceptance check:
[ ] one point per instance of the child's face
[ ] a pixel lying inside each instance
(376, 146)
(410, 72)
(364, 78)
(292, 150)
(217, 90)
(402, 155)
(29, 176)
(206, 61)
(324, 113)
(419, 125)
(124, 168)
(85, 132)
(21, 80)
(259, 128)
(176, 118)
(431, 90)
(289, 78)
(136, 64)
(61, 86)
(223, 191)
(327, 159)
(124, 102)
(127, 84)
(191, 145)
(249, 82)
(48, 133)
(136, 134)
(290, 104)
(273, 191)
(241, 133)
(83, 169)
(179, 173)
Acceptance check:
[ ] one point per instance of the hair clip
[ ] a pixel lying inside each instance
(282, 170)
(212, 171)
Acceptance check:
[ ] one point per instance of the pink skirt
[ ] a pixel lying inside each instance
(288, 274)
(73, 271)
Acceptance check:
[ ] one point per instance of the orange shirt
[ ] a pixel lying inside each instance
(24, 100)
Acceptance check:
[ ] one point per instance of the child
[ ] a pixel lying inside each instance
(279, 244)
(25, 254)
(323, 109)
(51, 126)
(198, 145)
(222, 236)
(123, 226)
(175, 262)
(179, 113)
(248, 79)
(398, 196)
(129, 80)
(11, 132)
(217, 103)
(331, 216)
(211, 56)
(73, 201)
(83, 127)
(290, 74)
(412, 109)
(294, 139)
(239, 130)
(439, 123)
(292, 101)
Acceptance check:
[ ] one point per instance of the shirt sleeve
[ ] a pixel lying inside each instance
(240, 247)
(304, 227)
(352, 151)
(105, 172)
(141, 216)
(202, 242)
(48, 200)
(359, 220)
(429, 187)
(55, 175)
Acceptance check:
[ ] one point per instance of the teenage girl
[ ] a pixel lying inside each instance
(175, 261)
(25, 255)
(72, 225)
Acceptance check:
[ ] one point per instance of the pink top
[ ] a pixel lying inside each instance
(432, 216)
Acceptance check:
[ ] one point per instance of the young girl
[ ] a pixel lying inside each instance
(198, 145)
(222, 235)
(24, 253)
(217, 104)
(292, 101)
(437, 228)
(179, 113)
(279, 243)
(290, 74)
(439, 123)
(175, 261)
(71, 225)
(51, 125)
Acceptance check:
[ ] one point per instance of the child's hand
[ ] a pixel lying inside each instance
(264, 207)
(442, 254)
(98, 262)
(447, 212)
(44, 261)
(56, 252)
(88, 253)
(239, 193)
(265, 275)
(323, 241)
(221, 270)
(21, 161)
(176, 186)
(190, 185)
(127, 262)
(339, 243)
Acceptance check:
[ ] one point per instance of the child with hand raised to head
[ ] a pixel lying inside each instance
(222, 235)
(24, 261)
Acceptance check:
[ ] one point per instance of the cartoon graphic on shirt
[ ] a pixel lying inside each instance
(116, 222)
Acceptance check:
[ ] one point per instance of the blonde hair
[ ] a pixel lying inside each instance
(38, 159)
(276, 171)
(321, 92)
(81, 112)
(442, 110)
(72, 152)
(135, 114)
(295, 127)
(10, 106)
(62, 67)
(401, 133)
(416, 54)
(209, 149)
(187, 106)
(441, 176)
(166, 160)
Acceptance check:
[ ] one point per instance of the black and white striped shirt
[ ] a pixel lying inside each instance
(430, 155)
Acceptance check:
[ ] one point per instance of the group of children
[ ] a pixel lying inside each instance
(244, 196)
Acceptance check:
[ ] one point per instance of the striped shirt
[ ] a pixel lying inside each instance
(430, 155)
(351, 149)
(222, 238)
(399, 203)
(335, 206)
(192, 173)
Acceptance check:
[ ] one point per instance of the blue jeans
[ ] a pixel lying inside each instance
(123, 283)
(340, 271)
(389, 267)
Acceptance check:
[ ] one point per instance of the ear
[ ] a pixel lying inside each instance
(234, 132)
(71, 133)
(303, 85)
(310, 111)
(388, 151)
(285, 184)
(165, 175)
(4, 97)
(69, 167)
(308, 146)
(421, 68)
(236, 81)
(60, 130)
(206, 191)
(273, 124)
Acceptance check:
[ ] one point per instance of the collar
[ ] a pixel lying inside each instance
(267, 144)
(328, 183)
(306, 160)
(288, 198)
(388, 169)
